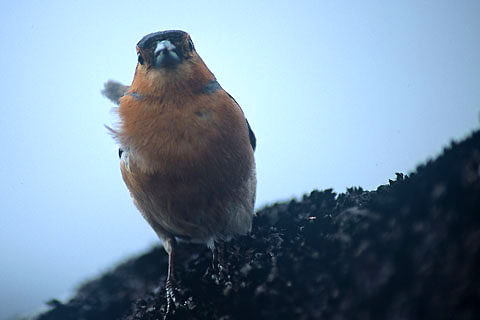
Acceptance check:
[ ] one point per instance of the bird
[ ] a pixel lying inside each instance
(186, 148)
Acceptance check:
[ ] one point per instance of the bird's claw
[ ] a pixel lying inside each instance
(171, 299)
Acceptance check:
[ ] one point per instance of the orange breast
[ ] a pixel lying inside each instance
(188, 156)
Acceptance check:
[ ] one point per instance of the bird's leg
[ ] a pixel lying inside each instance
(214, 258)
(169, 246)
(218, 256)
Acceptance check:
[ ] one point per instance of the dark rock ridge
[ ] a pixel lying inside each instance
(409, 250)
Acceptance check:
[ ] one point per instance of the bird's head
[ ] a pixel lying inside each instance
(169, 57)
(165, 49)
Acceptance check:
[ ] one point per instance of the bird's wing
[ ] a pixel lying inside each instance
(251, 135)
(114, 90)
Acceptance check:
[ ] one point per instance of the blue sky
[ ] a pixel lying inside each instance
(339, 94)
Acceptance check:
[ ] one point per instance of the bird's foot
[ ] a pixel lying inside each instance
(171, 299)
(217, 267)
(218, 258)
(219, 273)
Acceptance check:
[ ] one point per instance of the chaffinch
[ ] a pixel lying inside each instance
(186, 148)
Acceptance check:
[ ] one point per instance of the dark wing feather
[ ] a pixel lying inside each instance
(251, 135)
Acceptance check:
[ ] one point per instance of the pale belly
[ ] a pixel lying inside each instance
(193, 203)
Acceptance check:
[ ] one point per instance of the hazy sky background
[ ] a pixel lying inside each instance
(339, 94)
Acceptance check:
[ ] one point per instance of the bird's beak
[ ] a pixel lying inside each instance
(165, 54)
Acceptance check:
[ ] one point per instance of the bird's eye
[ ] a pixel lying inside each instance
(190, 44)
(140, 58)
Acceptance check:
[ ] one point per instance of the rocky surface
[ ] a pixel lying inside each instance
(409, 250)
